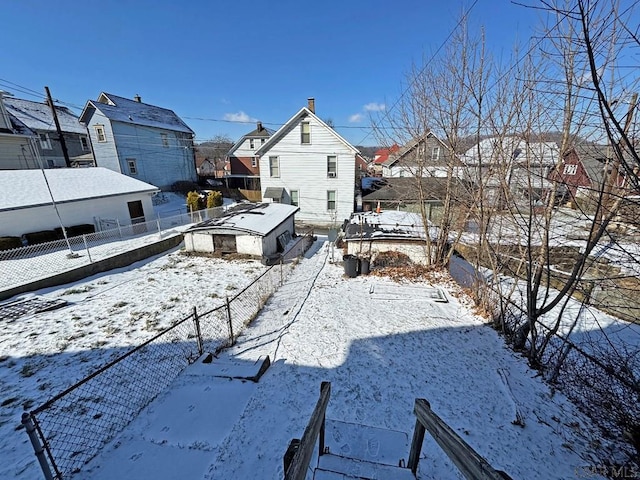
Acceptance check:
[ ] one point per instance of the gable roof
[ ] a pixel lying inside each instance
(27, 188)
(120, 109)
(259, 132)
(382, 155)
(399, 153)
(510, 149)
(282, 131)
(251, 218)
(38, 116)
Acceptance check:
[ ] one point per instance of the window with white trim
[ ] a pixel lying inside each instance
(251, 144)
(274, 166)
(295, 197)
(305, 133)
(165, 140)
(254, 162)
(331, 200)
(45, 141)
(100, 135)
(332, 166)
(84, 143)
(131, 164)
(570, 169)
(435, 153)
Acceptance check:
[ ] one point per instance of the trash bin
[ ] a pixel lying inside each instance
(350, 265)
(365, 265)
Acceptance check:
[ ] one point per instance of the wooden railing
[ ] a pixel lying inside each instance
(299, 453)
(472, 465)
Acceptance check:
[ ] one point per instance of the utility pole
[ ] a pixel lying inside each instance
(67, 161)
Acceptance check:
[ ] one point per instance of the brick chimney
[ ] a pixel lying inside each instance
(138, 98)
(312, 104)
(260, 126)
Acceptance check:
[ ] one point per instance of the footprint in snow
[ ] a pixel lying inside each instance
(373, 447)
(135, 456)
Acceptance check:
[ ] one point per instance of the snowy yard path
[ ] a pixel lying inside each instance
(380, 353)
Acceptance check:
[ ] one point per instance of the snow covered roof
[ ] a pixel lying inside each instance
(511, 148)
(38, 116)
(253, 218)
(282, 131)
(260, 132)
(388, 224)
(27, 188)
(123, 110)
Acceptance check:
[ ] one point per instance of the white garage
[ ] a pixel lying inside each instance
(256, 229)
(29, 199)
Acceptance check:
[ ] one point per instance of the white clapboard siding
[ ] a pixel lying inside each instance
(303, 167)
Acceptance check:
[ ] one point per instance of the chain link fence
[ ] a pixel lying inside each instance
(71, 428)
(23, 265)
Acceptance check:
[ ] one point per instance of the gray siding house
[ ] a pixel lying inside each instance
(38, 118)
(149, 143)
(17, 142)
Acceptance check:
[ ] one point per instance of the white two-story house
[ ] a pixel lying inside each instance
(308, 164)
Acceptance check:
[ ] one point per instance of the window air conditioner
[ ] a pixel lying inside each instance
(331, 174)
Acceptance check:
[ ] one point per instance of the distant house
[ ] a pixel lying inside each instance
(242, 156)
(426, 156)
(18, 149)
(149, 143)
(583, 168)
(403, 194)
(38, 118)
(522, 165)
(81, 195)
(308, 164)
(379, 158)
(256, 229)
(369, 234)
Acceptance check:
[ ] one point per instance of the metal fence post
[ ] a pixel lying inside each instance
(196, 320)
(119, 228)
(159, 229)
(281, 277)
(86, 246)
(29, 426)
(230, 322)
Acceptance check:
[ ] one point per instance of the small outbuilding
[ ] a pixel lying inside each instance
(368, 234)
(256, 229)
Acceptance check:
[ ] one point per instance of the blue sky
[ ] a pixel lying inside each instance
(216, 63)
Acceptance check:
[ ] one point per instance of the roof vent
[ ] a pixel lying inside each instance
(138, 98)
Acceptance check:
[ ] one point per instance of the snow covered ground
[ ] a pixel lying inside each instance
(381, 344)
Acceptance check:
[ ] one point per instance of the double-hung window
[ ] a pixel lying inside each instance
(331, 200)
(274, 166)
(435, 153)
(165, 140)
(305, 133)
(100, 135)
(295, 197)
(332, 166)
(133, 168)
(45, 141)
(570, 169)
